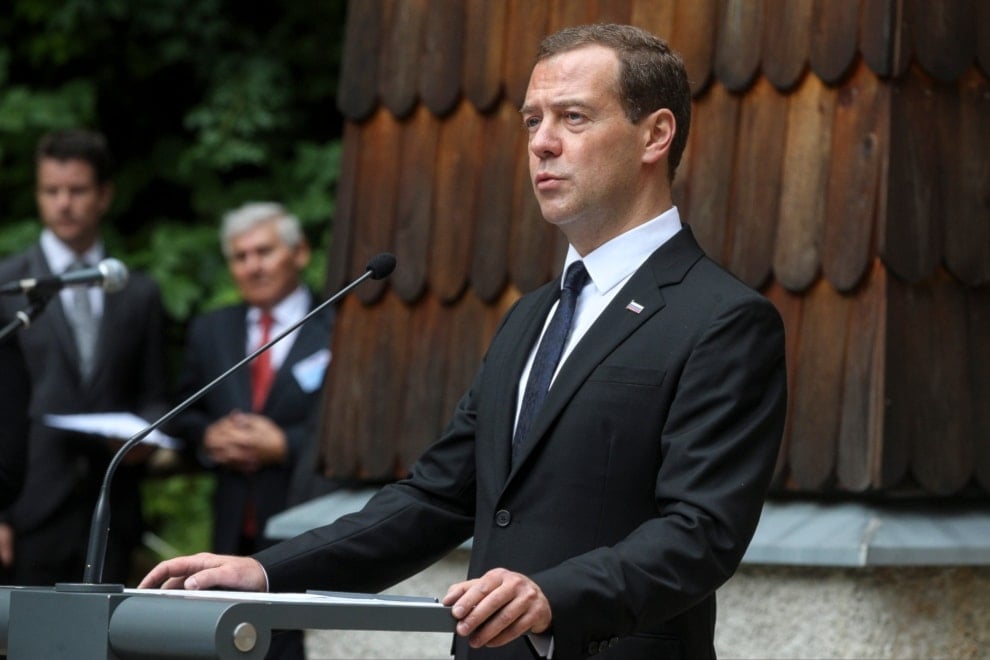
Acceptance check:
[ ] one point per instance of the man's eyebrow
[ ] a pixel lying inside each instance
(562, 104)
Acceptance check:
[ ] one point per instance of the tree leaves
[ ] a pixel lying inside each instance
(206, 104)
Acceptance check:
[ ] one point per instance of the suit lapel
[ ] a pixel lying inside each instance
(665, 267)
(61, 328)
(230, 350)
(113, 316)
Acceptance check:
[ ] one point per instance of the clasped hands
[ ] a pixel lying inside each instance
(245, 442)
(491, 610)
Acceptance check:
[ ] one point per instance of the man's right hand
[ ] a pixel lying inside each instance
(207, 571)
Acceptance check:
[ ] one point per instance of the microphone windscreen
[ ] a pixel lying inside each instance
(114, 274)
(381, 265)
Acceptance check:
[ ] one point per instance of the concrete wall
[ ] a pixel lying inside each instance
(770, 612)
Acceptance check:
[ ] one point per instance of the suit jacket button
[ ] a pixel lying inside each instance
(503, 518)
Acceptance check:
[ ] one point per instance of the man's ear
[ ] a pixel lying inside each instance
(106, 191)
(662, 127)
(302, 254)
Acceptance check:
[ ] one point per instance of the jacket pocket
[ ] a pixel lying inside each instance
(613, 373)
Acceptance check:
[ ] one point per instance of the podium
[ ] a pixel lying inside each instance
(38, 622)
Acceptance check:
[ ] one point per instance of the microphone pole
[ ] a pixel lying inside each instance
(24, 317)
(380, 267)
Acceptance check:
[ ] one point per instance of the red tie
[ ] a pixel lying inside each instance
(262, 376)
(262, 373)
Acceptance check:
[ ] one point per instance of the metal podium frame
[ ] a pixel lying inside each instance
(38, 622)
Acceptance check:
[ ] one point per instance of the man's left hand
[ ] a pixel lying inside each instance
(498, 607)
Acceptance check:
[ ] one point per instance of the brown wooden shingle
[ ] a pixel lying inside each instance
(710, 174)
(912, 245)
(456, 185)
(755, 200)
(489, 266)
(855, 182)
(944, 36)
(834, 31)
(484, 52)
(739, 42)
(414, 207)
(964, 177)
(443, 55)
(804, 174)
(357, 93)
(860, 431)
(786, 39)
(693, 36)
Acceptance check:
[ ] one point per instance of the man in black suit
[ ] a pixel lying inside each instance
(255, 445)
(112, 360)
(254, 428)
(604, 521)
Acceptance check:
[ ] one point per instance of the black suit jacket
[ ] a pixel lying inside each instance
(638, 491)
(64, 468)
(216, 342)
(15, 390)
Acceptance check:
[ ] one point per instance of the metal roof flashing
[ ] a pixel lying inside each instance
(792, 532)
(856, 534)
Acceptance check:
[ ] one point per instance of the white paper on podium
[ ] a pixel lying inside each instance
(311, 597)
(117, 425)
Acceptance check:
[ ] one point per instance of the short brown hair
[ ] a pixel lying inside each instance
(651, 75)
(78, 144)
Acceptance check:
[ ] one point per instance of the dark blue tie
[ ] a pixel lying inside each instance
(549, 352)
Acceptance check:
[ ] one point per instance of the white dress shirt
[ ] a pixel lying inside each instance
(292, 308)
(609, 267)
(59, 257)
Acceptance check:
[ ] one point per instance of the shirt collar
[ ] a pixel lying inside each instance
(612, 262)
(288, 310)
(60, 256)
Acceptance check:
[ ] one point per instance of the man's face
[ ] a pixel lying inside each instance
(71, 201)
(585, 156)
(265, 269)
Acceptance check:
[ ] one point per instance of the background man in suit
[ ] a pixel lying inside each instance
(253, 428)
(89, 351)
(607, 510)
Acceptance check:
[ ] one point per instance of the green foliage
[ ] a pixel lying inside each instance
(179, 509)
(207, 104)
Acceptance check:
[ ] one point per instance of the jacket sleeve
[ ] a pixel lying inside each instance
(406, 526)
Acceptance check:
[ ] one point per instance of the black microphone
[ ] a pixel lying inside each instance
(111, 274)
(380, 267)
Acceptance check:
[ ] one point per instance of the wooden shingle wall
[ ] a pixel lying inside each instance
(839, 161)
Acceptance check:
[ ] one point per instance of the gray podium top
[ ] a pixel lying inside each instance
(38, 622)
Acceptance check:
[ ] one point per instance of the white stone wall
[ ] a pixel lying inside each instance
(769, 612)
